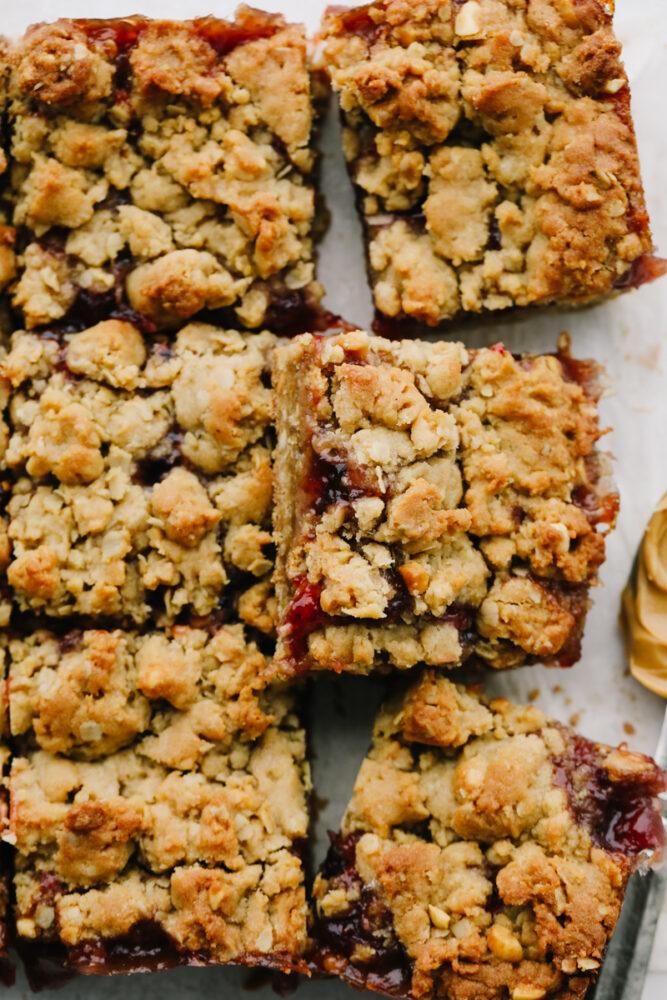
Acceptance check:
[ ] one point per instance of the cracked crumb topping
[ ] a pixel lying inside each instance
(163, 169)
(206, 850)
(432, 502)
(485, 851)
(143, 471)
(493, 152)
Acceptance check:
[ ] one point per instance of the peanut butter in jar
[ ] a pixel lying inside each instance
(644, 607)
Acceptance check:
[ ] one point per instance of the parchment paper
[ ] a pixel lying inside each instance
(628, 335)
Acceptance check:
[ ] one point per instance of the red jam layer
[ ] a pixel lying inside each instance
(223, 36)
(357, 21)
(305, 616)
(367, 923)
(621, 816)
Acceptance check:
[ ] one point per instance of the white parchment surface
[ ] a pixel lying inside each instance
(629, 336)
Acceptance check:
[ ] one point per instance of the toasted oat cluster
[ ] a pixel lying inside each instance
(433, 502)
(142, 472)
(162, 169)
(181, 694)
(158, 798)
(493, 153)
(485, 852)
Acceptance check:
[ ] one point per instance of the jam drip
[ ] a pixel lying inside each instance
(623, 815)
(304, 616)
(574, 598)
(146, 948)
(367, 923)
(641, 272)
(123, 32)
(292, 312)
(359, 22)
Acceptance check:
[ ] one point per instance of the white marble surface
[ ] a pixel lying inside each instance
(628, 336)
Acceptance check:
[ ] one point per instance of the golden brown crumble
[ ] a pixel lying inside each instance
(143, 470)
(493, 151)
(463, 859)
(181, 184)
(176, 694)
(206, 853)
(430, 503)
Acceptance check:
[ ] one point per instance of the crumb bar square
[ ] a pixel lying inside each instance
(5, 858)
(158, 801)
(161, 169)
(142, 473)
(485, 852)
(433, 503)
(493, 153)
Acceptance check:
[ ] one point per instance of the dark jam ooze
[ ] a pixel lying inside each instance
(390, 329)
(574, 599)
(598, 509)
(90, 308)
(326, 481)
(282, 983)
(146, 948)
(341, 855)
(401, 604)
(495, 236)
(359, 22)
(581, 371)
(293, 312)
(621, 815)
(367, 922)
(45, 964)
(332, 479)
(642, 271)
(156, 465)
(463, 619)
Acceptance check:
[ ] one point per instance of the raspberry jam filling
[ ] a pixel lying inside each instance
(642, 271)
(332, 479)
(358, 21)
(294, 311)
(365, 927)
(621, 816)
(223, 36)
